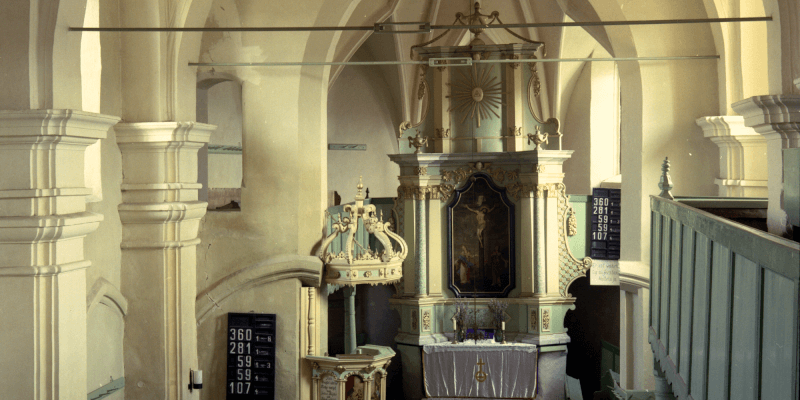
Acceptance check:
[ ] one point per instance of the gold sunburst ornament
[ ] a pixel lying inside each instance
(476, 95)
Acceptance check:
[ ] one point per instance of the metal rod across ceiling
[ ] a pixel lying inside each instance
(380, 27)
(294, 64)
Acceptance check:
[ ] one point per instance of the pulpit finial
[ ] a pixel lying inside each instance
(665, 184)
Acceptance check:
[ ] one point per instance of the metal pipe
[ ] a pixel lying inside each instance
(291, 64)
(457, 27)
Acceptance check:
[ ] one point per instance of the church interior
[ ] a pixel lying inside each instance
(330, 199)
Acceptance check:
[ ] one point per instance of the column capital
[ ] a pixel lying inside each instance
(151, 132)
(724, 126)
(767, 114)
(55, 122)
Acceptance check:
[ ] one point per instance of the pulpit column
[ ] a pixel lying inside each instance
(43, 223)
(160, 218)
(777, 118)
(441, 105)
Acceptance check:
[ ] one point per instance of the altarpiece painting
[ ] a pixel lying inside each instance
(480, 238)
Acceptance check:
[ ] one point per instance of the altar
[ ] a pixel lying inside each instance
(489, 370)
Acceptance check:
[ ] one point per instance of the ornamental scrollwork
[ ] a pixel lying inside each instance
(545, 320)
(572, 223)
(570, 268)
(426, 320)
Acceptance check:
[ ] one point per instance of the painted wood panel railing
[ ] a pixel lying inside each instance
(724, 308)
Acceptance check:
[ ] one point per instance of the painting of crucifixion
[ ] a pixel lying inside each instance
(481, 239)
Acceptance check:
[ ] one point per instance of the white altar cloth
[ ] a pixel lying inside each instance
(450, 370)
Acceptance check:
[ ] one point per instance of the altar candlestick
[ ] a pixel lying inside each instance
(503, 325)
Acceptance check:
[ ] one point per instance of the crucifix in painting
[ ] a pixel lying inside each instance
(481, 239)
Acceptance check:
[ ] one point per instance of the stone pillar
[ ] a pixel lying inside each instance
(160, 218)
(43, 223)
(441, 105)
(777, 118)
(742, 156)
(515, 103)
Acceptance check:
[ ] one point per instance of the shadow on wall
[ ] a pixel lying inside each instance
(594, 320)
(375, 324)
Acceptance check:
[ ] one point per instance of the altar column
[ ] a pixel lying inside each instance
(434, 255)
(515, 101)
(421, 248)
(160, 218)
(406, 195)
(527, 244)
(777, 118)
(43, 223)
(441, 105)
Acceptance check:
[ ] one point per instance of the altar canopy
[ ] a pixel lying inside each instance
(485, 370)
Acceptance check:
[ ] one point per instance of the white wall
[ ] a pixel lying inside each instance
(362, 109)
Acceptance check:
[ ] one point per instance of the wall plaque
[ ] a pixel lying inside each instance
(329, 388)
(605, 224)
(251, 356)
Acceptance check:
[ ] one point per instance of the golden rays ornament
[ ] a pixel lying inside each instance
(476, 95)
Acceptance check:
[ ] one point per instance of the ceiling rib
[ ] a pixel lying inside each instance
(423, 26)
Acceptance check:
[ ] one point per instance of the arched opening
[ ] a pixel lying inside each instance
(219, 102)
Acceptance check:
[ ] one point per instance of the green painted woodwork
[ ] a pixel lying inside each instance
(791, 185)
(724, 306)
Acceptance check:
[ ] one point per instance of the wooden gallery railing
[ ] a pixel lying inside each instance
(723, 307)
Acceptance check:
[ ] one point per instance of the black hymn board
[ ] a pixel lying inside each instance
(251, 356)
(605, 223)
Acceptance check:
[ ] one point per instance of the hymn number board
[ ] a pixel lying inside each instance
(251, 356)
(605, 223)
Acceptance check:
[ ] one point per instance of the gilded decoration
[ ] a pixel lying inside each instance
(514, 65)
(459, 175)
(442, 133)
(367, 274)
(533, 320)
(422, 170)
(514, 131)
(476, 94)
(418, 142)
(426, 320)
(570, 268)
(545, 320)
(540, 168)
(414, 323)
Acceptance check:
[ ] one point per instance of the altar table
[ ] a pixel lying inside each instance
(485, 370)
